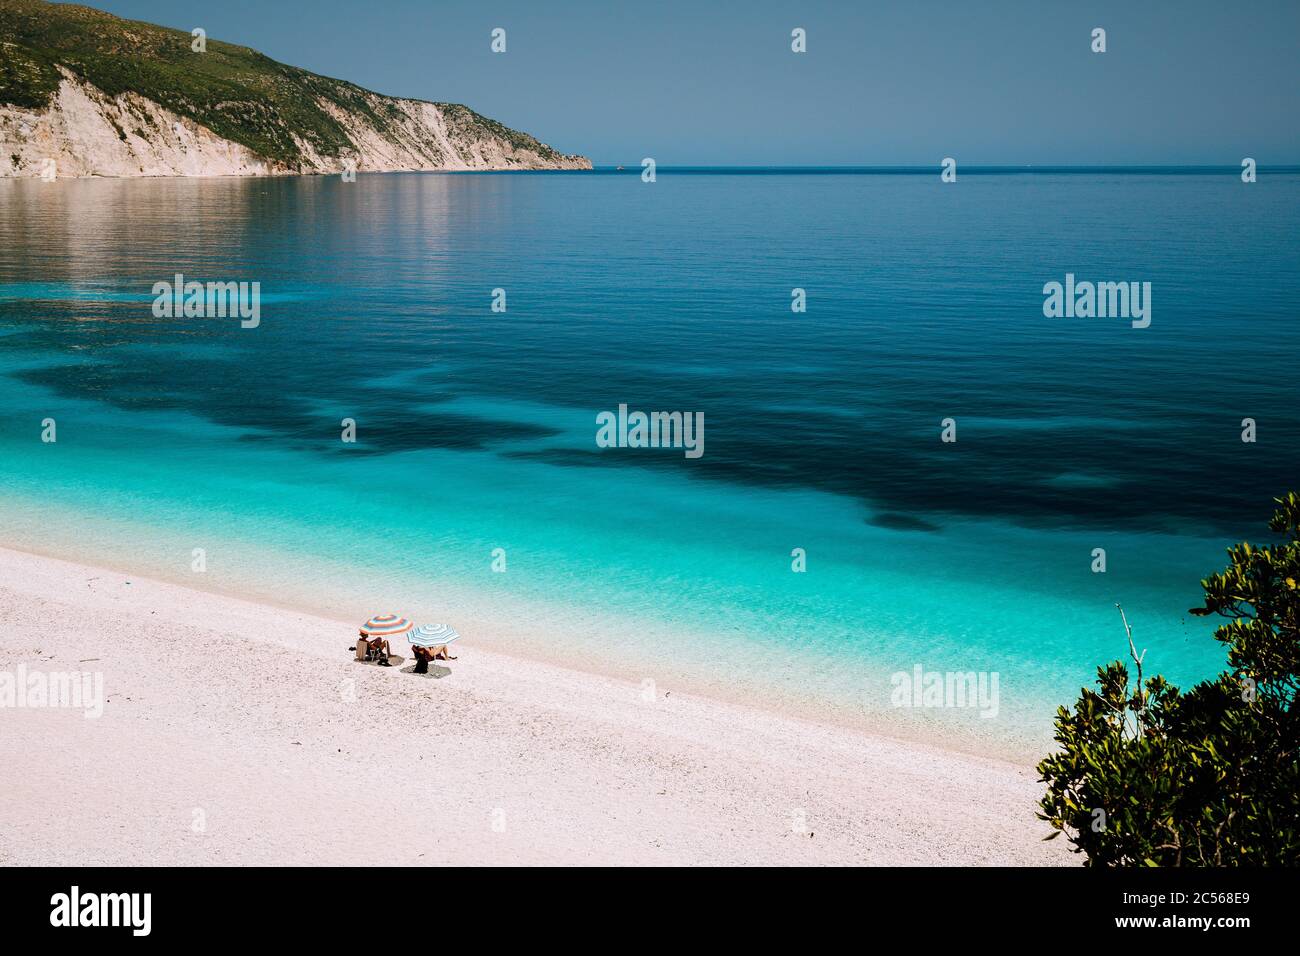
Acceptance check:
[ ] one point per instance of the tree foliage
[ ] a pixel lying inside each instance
(1150, 775)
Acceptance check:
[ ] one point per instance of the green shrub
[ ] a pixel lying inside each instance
(1150, 775)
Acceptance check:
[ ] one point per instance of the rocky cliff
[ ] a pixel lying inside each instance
(84, 93)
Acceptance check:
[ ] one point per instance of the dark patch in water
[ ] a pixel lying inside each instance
(436, 430)
(234, 394)
(567, 457)
(901, 522)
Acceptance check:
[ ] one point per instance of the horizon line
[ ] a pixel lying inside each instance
(985, 167)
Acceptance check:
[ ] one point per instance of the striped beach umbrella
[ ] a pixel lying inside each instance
(386, 625)
(432, 635)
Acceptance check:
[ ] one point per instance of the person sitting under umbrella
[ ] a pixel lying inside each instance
(429, 643)
(372, 644)
(373, 648)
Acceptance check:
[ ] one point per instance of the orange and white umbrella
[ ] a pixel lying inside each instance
(386, 625)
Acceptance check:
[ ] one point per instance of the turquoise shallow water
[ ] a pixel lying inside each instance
(476, 429)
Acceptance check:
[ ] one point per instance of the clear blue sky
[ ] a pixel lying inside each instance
(883, 82)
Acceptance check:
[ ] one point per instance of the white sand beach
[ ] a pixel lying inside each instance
(236, 733)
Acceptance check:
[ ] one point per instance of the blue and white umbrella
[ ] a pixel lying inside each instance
(433, 635)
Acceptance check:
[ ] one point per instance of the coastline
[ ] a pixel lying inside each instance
(252, 720)
(566, 632)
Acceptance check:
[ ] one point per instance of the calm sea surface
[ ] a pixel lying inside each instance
(476, 429)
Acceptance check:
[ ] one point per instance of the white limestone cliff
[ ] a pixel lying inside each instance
(86, 132)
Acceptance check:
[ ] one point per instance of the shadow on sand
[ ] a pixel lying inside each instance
(394, 660)
(435, 672)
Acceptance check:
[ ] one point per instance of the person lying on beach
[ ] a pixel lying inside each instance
(376, 646)
(423, 655)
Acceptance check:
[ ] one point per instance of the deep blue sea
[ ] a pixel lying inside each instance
(476, 429)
